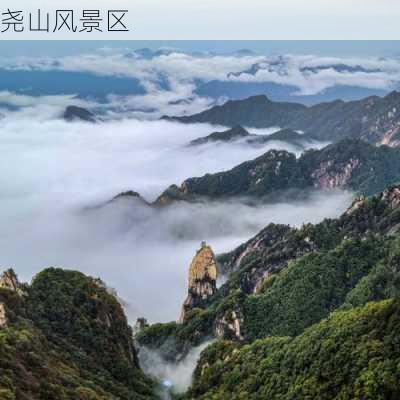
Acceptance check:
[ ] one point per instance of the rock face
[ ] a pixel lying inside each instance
(325, 178)
(9, 280)
(3, 318)
(391, 197)
(230, 325)
(202, 279)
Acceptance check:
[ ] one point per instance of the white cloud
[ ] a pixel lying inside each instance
(52, 170)
(181, 72)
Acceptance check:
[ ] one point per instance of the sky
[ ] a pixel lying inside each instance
(238, 19)
(378, 48)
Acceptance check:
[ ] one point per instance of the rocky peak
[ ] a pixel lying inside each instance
(357, 203)
(331, 175)
(9, 280)
(202, 279)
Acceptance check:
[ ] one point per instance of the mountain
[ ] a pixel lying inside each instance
(286, 280)
(257, 111)
(373, 119)
(75, 113)
(65, 336)
(239, 133)
(235, 133)
(349, 164)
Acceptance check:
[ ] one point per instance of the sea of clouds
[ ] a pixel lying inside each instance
(57, 177)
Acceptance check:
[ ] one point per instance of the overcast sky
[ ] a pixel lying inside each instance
(324, 48)
(242, 19)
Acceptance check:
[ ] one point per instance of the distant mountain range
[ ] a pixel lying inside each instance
(238, 133)
(237, 90)
(373, 119)
(248, 82)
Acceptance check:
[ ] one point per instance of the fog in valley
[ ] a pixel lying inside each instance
(57, 179)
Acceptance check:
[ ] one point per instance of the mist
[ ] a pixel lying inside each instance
(56, 179)
(177, 376)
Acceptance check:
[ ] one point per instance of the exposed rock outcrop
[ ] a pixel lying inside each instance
(3, 317)
(330, 176)
(9, 280)
(202, 279)
(230, 325)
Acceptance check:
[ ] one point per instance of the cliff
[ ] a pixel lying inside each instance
(9, 280)
(238, 133)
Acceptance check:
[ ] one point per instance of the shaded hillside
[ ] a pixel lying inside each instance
(66, 337)
(350, 164)
(373, 119)
(351, 355)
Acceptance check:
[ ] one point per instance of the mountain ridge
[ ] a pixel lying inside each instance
(346, 164)
(373, 119)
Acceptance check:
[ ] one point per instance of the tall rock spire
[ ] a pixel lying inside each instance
(202, 279)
